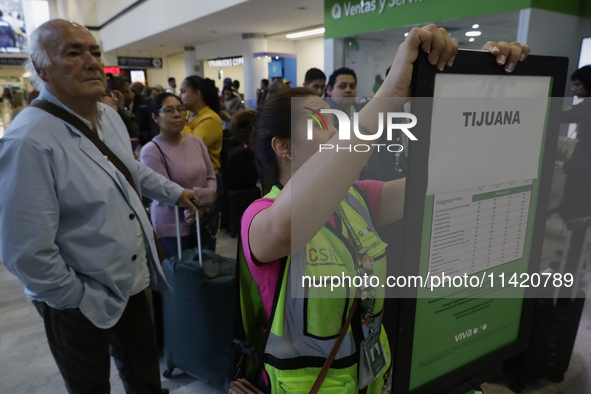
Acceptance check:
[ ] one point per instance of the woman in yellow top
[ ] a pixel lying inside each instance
(200, 98)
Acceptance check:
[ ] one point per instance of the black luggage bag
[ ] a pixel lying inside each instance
(198, 330)
(555, 321)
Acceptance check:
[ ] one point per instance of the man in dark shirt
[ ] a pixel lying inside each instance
(315, 81)
(262, 92)
(576, 200)
(138, 106)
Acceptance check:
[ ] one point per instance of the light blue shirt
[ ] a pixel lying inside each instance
(68, 217)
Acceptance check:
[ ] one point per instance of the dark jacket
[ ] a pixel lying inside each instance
(261, 97)
(576, 198)
(143, 118)
(579, 163)
(7, 35)
(130, 123)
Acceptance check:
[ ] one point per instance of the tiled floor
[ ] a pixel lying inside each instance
(26, 364)
(27, 367)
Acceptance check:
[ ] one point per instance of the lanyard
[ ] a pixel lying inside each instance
(366, 268)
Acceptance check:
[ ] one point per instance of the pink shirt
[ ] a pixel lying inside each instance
(189, 166)
(265, 275)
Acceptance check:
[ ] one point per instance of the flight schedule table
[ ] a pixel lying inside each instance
(478, 229)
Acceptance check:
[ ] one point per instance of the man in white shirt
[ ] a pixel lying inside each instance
(171, 85)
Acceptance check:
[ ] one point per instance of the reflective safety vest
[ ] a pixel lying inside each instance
(306, 320)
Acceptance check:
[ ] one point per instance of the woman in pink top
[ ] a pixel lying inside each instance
(313, 186)
(183, 159)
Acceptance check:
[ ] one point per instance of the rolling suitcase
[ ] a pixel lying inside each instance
(198, 325)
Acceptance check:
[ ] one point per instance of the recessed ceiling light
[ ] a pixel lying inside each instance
(306, 33)
(276, 57)
(475, 26)
(474, 33)
(471, 39)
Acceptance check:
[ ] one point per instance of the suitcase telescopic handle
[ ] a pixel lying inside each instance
(178, 231)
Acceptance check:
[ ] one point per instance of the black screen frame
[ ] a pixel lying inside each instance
(481, 63)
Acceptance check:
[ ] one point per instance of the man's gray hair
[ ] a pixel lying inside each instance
(38, 57)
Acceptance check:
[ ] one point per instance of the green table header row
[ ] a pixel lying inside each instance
(501, 193)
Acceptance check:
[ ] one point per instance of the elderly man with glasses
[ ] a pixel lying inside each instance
(72, 225)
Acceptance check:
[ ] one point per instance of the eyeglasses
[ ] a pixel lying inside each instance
(171, 110)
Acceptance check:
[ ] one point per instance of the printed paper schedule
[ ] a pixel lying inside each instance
(478, 229)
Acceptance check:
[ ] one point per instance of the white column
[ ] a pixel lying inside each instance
(192, 65)
(562, 39)
(67, 9)
(75, 12)
(334, 55)
(54, 12)
(254, 69)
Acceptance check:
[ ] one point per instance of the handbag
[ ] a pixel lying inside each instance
(243, 386)
(210, 221)
(67, 117)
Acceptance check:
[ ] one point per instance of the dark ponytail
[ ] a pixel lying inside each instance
(207, 89)
(273, 119)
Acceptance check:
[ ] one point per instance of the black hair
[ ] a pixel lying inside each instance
(236, 83)
(171, 79)
(1, 14)
(314, 74)
(273, 119)
(228, 88)
(583, 74)
(207, 89)
(341, 71)
(265, 81)
(116, 83)
(155, 104)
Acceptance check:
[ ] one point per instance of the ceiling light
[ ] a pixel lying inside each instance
(405, 34)
(471, 39)
(276, 57)
(306, 33)
(474, 33)
(27, 74)
(475, 26)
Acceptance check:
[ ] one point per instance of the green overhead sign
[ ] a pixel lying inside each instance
(349, 17)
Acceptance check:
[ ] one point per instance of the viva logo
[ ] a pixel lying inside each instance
(468, 333)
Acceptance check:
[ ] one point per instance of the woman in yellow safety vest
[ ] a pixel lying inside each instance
(319, 222)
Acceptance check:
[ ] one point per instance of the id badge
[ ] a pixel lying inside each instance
(365, 373)
(375, 355)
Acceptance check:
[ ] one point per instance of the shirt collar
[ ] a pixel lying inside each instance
(48, 96)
